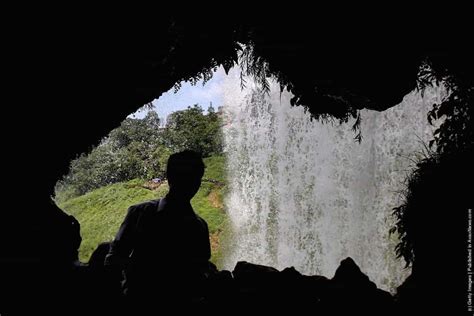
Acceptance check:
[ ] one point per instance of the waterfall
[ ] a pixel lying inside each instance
(306, 194)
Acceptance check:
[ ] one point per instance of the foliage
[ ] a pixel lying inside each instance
(457, 128)
(101, 211)
(333, 103)
(191, 129)
(449, 150)
(256, 67)
(139, 148)
(405, 212)
(132, 130)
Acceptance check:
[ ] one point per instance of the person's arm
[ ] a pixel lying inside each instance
(209, 267)
(122, 246)
(204, 253)
(208, 244)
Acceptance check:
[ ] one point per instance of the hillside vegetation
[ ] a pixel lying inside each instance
(101, 211)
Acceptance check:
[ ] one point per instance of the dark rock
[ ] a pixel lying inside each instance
(255, 282)
(98, 256)
(349, 275)
(352, 290)
(254, 274)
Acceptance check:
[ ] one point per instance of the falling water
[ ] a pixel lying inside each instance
(305, 194)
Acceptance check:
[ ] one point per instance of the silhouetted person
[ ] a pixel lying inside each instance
(163, 245)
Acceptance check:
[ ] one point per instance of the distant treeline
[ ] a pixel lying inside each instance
(139, 148)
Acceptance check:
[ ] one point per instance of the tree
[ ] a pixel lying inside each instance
(139, 148)
(191, 129)
(144, 130)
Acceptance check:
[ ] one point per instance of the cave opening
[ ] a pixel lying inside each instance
(431, 220)
(280, 190)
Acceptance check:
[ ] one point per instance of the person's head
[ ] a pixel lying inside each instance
(184, 172)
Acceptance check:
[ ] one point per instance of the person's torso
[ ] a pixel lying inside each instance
(169, 244)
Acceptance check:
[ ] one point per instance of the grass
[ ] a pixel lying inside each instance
(215, 217)
(209, 204)
(100, 212)
(215, 168)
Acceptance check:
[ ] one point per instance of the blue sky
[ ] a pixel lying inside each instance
(189, 95)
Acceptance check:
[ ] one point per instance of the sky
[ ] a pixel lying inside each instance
(188, 95)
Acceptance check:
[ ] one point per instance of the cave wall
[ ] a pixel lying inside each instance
(94, 78)
(86, 79)
(77, 79)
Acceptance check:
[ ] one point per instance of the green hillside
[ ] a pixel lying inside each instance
(101, 211)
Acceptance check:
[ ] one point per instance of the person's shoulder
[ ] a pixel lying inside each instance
(201, 220)
(144, 206)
